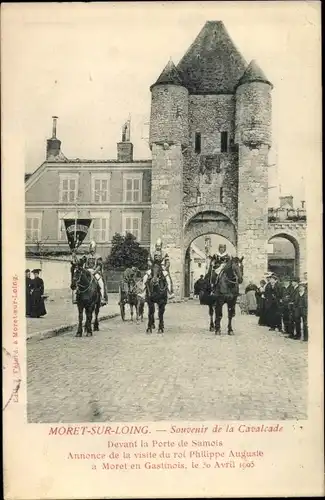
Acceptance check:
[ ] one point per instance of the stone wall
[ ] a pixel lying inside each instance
(169, 115)
(210, 115)
(252, 227)
(166, 207)
(253, 114)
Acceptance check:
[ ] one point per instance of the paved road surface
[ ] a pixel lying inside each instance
(123, 374)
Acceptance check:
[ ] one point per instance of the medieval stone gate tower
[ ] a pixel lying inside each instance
(210, 134)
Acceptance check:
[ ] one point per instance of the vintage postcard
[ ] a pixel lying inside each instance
(162, 250)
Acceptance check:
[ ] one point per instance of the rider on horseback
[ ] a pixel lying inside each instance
(163, 261)
(94, 264)
(220, 258)
(129, 277)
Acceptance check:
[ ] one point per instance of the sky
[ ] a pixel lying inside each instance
(92, 66)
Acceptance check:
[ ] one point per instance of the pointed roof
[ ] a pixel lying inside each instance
(169, 75)
(212, 64)
(253, 73)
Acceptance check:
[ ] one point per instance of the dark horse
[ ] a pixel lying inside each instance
(223, 290)
(88, 297)
(156, 293)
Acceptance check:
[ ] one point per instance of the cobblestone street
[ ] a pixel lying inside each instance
(123, 374)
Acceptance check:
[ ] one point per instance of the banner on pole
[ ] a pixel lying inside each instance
(76, 230)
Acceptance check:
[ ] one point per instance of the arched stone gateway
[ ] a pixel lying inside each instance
(209, 222)
(296, 234)
(203, 223)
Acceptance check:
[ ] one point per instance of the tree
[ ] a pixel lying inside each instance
(126, 252)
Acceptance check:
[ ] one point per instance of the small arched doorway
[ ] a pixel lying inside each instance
(284, 255)
(205, 231)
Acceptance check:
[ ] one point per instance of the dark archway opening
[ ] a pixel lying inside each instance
(284, 256)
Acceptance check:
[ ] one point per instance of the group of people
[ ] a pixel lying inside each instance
(280, 305)
(35, 306)
(93, 262)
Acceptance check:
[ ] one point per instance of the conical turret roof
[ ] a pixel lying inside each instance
(169, 75)
(253, 73)
(212, 64)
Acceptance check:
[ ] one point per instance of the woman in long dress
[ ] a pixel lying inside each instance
(251, 302)
(37, 306)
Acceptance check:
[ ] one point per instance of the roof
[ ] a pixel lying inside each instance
(253, 73)
(169, 75)
(212, 64)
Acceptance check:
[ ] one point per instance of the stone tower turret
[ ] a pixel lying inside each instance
(253, 137)
(167, 138)
(169, 109)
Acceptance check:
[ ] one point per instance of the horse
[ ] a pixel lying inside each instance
(223, 290)
(88, 298)
(156, 293)
(132, 296)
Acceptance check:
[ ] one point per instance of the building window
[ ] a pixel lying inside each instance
(224, 142)
(33, 227)
(99, 229)
(68, 188)
(197, 145)
(132, 224)
(100, 188)
(221, 195)
(62, 235)
(132, 188)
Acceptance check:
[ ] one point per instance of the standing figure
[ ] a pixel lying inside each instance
(164, 262)
(286, 305)
(250, 293)
(198, 285)
(93, 262)
(260, 295)
(294, 284)
(300, 307)
(37, 307)
(28, 284)
(274, 302)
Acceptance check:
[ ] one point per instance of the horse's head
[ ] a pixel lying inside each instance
(79, 275)
(156, 271)
(237, 268)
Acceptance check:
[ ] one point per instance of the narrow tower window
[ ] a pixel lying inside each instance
(221, 195)
(224, 142)
(197, 142)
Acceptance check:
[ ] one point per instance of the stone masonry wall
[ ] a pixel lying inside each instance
(210, 115)
(169, 115)
(252, 228)
(166, 207)
(253, 114)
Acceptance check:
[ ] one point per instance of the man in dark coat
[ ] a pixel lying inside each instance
(28, 282)
(260, 297)
(294, 284)
(300, 308)
(37, 300)
(198, 285)
(273, 298)
(287, 311)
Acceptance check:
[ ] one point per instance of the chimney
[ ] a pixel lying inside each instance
(53, 148)
(125, 147)
(286, 200)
